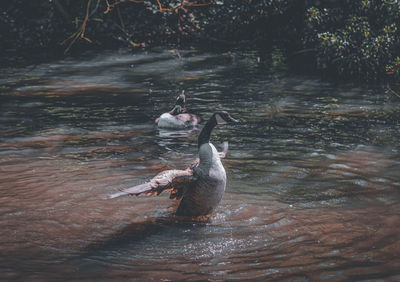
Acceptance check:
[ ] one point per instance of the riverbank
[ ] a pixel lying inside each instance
(356, 41)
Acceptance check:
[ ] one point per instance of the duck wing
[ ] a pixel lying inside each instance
(165, 180)
(173, 180)
(225, 147)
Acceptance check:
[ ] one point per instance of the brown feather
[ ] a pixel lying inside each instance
(173, 180)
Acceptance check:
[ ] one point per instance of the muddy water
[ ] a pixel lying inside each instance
(313, 172)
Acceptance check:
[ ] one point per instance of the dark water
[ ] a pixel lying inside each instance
(313, 172)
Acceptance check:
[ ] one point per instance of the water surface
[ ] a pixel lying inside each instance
(313, 172)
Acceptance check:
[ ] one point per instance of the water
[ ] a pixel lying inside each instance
(313, 182)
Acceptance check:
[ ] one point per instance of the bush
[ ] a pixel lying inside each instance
(358, 39)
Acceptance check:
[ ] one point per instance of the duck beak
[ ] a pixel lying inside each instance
(224, 119)
(231, 119)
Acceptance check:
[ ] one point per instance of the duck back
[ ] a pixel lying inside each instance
(179, 121)
(202, 197)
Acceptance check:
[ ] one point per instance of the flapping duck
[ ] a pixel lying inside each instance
(199, 187)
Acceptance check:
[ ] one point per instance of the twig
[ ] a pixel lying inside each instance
(111, 6)
(120, 18)
(393, 92)
(161, 8)
(81, 31)
(95, 8)
(183, 6)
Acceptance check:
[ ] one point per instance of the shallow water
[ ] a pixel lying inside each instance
(313, 172)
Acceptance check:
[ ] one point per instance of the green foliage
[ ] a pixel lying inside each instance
(360, 40)
(356, 39)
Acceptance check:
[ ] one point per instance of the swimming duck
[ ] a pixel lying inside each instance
(200, 186)
(178, 117)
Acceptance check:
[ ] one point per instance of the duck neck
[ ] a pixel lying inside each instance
(205, 133)
(176, 110)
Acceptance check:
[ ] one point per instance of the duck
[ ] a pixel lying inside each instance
(200, 186)
(178, 117)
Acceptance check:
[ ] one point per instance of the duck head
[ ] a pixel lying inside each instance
(223, 117)
(181, 99)
(179, 104)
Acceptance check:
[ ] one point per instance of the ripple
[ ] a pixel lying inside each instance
(312, 173)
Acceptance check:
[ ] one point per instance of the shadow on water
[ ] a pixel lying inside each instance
(138, 232)
(313, 183)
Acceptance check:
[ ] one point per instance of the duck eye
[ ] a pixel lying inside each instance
(220, 120)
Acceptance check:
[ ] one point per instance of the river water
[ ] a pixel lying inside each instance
(313, 172)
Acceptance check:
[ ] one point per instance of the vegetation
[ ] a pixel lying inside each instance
(349, 38)
(360, 39)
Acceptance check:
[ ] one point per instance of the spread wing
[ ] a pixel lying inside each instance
(174, 181)
(170, 180)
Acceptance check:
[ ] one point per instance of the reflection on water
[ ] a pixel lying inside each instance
(313, 182)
